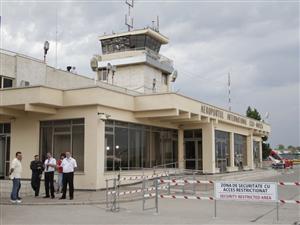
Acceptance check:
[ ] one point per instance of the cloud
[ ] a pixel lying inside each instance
(257, 42)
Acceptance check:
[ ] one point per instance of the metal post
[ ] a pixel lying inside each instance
(215, 208)
(169, 184)
(156, 194)
(106, 194)
(118, 189)
(194, 184)
(277, 211)
(143, 192)
(183, 186)
(113, 207)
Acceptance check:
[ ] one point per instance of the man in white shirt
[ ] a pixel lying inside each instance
(68, 164)
(49, 165)
(15, 175)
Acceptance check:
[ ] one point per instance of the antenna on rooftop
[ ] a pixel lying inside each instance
(129, 17)
(229, 92)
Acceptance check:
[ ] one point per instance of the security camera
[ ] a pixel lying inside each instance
(103, 116)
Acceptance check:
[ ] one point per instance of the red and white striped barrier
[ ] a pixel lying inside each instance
(136, 191)
(142, 177)
(186, 181)
(208, 198)
(296, 183)
(289, 201)
(180, 197)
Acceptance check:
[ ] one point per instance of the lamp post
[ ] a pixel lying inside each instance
(46, 48)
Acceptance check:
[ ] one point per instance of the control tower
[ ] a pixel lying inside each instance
(131, 60)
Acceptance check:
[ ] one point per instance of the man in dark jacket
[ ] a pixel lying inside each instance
(37, 168)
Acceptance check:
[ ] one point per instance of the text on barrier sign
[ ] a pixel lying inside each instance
(246, 191)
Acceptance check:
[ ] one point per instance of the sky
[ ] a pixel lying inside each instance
(256, 41)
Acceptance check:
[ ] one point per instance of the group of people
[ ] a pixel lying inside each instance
(65, 167)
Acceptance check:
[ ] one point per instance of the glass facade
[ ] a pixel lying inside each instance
(222, 148)
(240, 150)
(4, 149)
(60, 136)
(132, 146)
(193, 149)
(131, 42)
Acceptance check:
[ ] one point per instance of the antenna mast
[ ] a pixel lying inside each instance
(129, 17)
(56, 37)
(229, 92)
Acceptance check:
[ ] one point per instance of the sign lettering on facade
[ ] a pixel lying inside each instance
(246, 191)
(236, 119)
(212, 111)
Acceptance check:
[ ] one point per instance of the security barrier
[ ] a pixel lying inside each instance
(180, 186)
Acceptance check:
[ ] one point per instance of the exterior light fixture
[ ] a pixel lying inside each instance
(46, 48)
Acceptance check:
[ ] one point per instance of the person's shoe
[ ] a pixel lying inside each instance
(52, 197)
(19, 201)
(62, 198)
(46, 197)
(71, 198)
(19, 198)
(13, 201)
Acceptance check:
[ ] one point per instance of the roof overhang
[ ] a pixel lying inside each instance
(158, 36)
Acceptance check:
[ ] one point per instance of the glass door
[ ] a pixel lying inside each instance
(221, 157)
(2, 156)
(193, 155)
(190, 155)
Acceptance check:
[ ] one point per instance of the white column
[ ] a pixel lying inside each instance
(260, 154)
(208, 141)
(181, 164)
(250, 164)
(231, 168)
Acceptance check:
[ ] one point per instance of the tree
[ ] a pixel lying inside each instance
(254, 114)
(280, 147)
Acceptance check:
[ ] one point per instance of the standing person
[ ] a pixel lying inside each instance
(37, 170)
(68, 165)
(60, 173)
(50, 165)
(15, 174)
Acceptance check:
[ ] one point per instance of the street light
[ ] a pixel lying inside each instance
(46, 48)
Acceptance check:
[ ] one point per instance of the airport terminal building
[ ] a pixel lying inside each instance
(125, 118)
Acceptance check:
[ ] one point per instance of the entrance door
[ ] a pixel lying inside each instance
(193, 154)
(4, 155)
(256, 153)
(221, 157)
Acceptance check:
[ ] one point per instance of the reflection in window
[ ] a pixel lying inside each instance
(133, 146)
(60, 136)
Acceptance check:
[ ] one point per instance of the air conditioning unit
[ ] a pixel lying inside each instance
(24, 83)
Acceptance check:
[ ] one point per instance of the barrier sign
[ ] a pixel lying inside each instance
(246, 191)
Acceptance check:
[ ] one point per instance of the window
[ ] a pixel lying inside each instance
(133, 146)
(240, 150)
(164, 79)
(103, 74)
(6, 82)
(60, 136)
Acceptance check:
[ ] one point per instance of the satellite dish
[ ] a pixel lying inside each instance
(109, 66)
(174, 76)
(94, 63)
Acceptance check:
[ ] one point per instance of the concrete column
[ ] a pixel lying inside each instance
(208, 141)
(231, 168)
(250, 164)
(181, 164)
(260, 154)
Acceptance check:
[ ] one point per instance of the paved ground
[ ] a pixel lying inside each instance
(38, 211)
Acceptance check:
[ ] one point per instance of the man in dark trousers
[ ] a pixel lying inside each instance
(50, 165)
(68, 164)
(37, 170)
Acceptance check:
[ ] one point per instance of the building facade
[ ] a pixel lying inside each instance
(125, 118)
